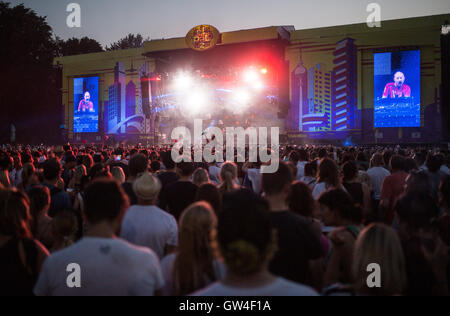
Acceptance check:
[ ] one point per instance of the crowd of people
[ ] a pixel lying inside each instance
(137, 223)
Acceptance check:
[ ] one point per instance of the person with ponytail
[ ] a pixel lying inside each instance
(247, 242)
(194, 266)
(228, 176)
(338, 210)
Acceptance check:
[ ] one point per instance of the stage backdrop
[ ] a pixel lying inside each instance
(334, 86)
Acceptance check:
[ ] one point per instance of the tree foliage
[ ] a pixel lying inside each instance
(75, 46)
(129, 41)
(28, 80)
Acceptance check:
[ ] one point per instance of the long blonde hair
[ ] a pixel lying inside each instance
(379, 244)
(194, 261)
(228, 174)
(200, 176)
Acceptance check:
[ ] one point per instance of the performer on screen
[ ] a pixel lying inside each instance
(398, 88)
(86, 105)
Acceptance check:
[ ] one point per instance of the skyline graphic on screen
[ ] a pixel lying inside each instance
(85, 105)
(397, 89)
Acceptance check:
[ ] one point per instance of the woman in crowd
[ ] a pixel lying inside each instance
(328, 177)
(310, 174)
(246, 241)
(377, 247)
(118, 174)
(200, 176)
(209, 192)
(88, 162)
(21, 256)
(40, 221)
(302, 203)
(379, 244)
(194, 266)
(228, 177)
(358, 191)
(338, 210)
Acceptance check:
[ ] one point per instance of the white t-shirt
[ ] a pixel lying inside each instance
(108, 267)
(319, 188)
(280, 287)
(377, 176)
(255, 176)
(310, 181)
(167, 265)
(149, 226)
(301, 169)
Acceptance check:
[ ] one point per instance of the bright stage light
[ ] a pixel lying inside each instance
(183, 81)
(263, 71)
(242, 96)
(251, 75)
(258, 85)
(196, 102)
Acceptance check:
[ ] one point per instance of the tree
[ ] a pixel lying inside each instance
(130, 41)
(75, 46)
(29, 94)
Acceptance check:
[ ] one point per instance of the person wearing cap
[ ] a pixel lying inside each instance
(147, 225)
(108, 266)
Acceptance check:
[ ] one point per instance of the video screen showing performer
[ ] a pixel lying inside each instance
(397, 89)
(86, 105)
(86, 92)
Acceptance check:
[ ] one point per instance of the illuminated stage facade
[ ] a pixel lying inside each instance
(348, 84)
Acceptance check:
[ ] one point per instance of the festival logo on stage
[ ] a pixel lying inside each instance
(202, 37)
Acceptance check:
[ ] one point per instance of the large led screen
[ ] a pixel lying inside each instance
(85, 97)
(397, 89)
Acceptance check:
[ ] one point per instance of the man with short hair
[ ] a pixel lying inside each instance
(60, 200)
(167, 177)
(398, 88)
(138, 165)
(181, 193)
(298, 244)
(377, 174)
(107, 266)
(68, 169)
